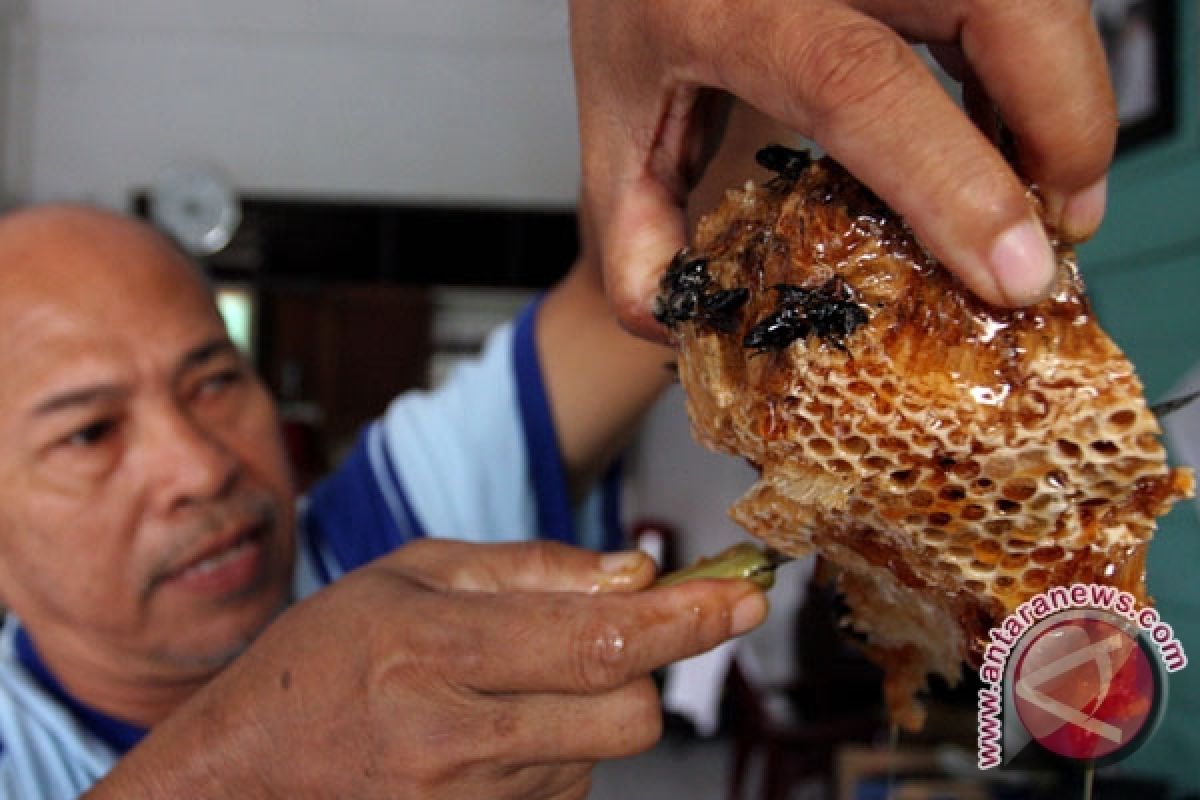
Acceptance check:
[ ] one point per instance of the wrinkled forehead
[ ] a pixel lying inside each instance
(78, 286)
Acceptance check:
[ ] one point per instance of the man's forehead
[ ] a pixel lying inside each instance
(45, 243)
(78, 285)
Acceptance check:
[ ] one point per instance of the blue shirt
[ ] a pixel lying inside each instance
(476, 459)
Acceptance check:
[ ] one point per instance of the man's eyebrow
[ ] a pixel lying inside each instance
(87, 395)
(206, 352)
(73, 398)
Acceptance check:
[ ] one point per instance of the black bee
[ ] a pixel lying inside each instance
(786, 162)
(685, 296)
(829, 311)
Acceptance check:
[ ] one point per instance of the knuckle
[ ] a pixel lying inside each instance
(544, 556)
(848, 65)
(642, 716)
(600, 656)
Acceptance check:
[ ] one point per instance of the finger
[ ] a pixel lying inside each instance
(574, 643)
(857, 88)
(636, 140)
(1042, 63)
(647, 227)
(523, 566)
(570, 728)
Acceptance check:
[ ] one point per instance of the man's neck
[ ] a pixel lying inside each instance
(109, 690)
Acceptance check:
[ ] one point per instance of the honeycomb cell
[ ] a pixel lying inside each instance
(973, 512)
(877, 463)
(1122, 419)
(1069, 450)
(952, 493)
(988, 550)
(934, 535)
(840, 466)
(1036, 578)
(1006, 506)
(966, 470)
(1001, 467)
(822, 447)
(1013, 561)
(1019, 489)
(921, 498)
(960, 552)
(998, 527)
(1048, 555)
(1056, 479)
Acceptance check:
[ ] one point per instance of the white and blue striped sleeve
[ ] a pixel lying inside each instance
(477, 459)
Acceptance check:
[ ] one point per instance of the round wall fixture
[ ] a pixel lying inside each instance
(197, 205)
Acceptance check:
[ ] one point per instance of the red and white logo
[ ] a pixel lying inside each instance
(1084, 687)
(1079, 670)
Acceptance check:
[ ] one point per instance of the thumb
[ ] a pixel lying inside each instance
(647, 229)
(521, 566)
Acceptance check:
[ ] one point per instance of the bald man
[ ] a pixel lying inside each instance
(155, 562)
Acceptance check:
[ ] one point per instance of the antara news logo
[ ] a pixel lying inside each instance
(1080, 671)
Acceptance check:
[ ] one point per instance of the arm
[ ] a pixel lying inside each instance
(599, 378)
(841, 73)
(444, 670)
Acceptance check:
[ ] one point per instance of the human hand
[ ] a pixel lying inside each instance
(450, 670)
(651, 78)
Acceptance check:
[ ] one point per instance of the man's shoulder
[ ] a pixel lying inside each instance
(44, 751)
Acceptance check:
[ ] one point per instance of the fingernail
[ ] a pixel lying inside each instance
(622, 571)
(618, 563)
(1023, 263)
(1084, 210)
(749, 613)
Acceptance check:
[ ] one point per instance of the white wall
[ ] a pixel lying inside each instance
(458, 99)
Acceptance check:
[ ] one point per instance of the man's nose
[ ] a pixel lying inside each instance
(190, 461)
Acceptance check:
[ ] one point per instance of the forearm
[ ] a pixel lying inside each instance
(600, 379)
(195, 753)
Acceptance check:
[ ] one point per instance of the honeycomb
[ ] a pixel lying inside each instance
(950, 459)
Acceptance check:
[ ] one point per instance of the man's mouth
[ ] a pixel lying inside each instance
(229, 566)
(215, 562)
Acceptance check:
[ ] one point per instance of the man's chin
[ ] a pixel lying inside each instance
(220, 648)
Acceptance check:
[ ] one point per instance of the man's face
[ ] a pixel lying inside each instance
(146, 522)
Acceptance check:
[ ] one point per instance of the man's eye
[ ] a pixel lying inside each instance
(92, 434)
(219, 380)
